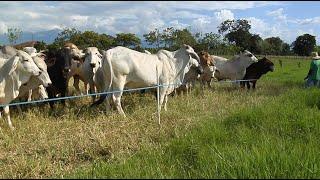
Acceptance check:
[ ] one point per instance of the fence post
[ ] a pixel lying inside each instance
(158, 95)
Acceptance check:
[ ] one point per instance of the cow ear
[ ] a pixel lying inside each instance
(14, 65)
(101, 51)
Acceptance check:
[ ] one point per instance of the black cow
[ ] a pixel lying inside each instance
(59, 62)
(55, 60)
(255, 71)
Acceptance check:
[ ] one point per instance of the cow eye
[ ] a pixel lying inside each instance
(250, 55)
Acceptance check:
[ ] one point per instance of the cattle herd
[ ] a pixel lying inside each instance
(27, 75)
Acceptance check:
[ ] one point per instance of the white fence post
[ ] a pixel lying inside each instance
(158, 95)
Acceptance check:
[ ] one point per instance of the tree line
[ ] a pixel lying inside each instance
(233, 36)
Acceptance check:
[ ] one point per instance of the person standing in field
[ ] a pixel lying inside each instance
(313, 76)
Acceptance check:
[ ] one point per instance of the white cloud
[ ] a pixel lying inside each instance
(308, 21)
(178, 25)
(278, 14)
(224, 15)
(78, 20)
(32, 15)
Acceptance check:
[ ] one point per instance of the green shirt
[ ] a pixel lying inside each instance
(315, 68)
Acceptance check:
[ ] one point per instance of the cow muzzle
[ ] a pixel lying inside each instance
(271, 68)
(200, 70)
(66, 72)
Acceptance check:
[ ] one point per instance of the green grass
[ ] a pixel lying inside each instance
(271, 132)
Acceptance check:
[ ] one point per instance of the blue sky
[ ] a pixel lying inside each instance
(285, 19)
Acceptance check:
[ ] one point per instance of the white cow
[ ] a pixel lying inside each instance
(235, 68)
(36, 85)
(14, 73)
(123, 67)
(87, 70)
(192, 73)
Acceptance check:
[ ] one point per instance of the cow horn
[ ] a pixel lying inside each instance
(194, 55)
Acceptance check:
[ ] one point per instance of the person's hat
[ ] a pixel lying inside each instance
(315, 55)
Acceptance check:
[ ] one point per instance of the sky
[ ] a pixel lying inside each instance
(284, 19)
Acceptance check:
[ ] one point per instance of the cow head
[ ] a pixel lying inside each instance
(191, 52)
(206, 59)
(248, 56)
(27, 63)
(195, 64)
(208, 63)
(94, 57)
(44, 76)
(194, 56)
(30, 50)
(69, 52)
(266, 65)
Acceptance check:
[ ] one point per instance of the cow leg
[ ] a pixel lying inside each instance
(242, 84)
(248, 84)
(92, 90)
(50, 95)
(165, 102)
(86, 90)
(162, 98)
(19, 109)
(117, 102)
(7, 115)
(76, 84)
(254, 84)
(30, 95)
(119, 86)
(63, 101)
(202, 85)
(209, 85)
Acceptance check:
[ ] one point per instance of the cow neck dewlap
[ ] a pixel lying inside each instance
(181, 60)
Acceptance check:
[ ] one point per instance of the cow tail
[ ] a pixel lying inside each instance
(108, 88)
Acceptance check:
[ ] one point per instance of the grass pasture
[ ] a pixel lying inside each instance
(272, 132)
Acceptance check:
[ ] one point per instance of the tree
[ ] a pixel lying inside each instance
(211, 40)
(181, 37)
(40, 46)
(167, 36)
(127, 40)
(274, 46)
(13, 34)
(92, 39)
(236, 32)
(255, 45)
(65, 36)
(285, 49)
(304, 45)
(153, 37)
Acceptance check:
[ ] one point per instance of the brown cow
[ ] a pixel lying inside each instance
(208, 65)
